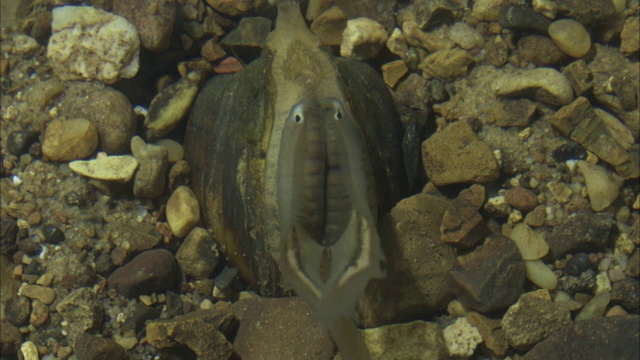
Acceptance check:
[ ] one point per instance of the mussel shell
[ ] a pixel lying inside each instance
(226, 143)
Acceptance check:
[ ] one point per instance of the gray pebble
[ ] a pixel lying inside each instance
(149, 180)
(523, 17)
(19, 141)
(578, 264)
(198, 254)
(17, 310)
(53, 234)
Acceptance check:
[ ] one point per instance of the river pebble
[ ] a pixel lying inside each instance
(151, 271)
(530, 243)
(571, 37)
(198, 254)
(45, 294)
(577, 264)
(88, 346)
(521, 198)
(362, 39)
(70, 139)
(446, 65)
(630, 35)
(150, 178)
(595, 308)
(119, 168)
(602, 186)
(329, 26)
(153, 19)
(540, 274)
(183, 211)
(170, 106)
(175, 149)
(89, 43)
(556, 88)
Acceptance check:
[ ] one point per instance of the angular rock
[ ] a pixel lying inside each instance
(547, 84)
(579, 77)
(81, 309)
(492, 334)
(491, 277)
(540, 50)
(136, 238)
(251, 32)
(579, 122)
(329, 26)
(602, 186)
(151, 271)
(418, 264)
(206, 333)
(120, 168)
(92, 347)
(393, 71)
(530, 243)
(91, 44)
(466, 36)
(446, 65)
(587, 12)
(153, 161)
(153, 19)
(234, 7)
(285, 324)
(601, 338)
(533, 318)
(462, 225)
(455, 155)
(198, 254)
(362, 39)
(629, 38)
(108, 109)
(627, 294)
(70, 139)
(583, 231)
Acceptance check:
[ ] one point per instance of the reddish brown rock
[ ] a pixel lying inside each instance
(152, 271)
(521, 198)
(462, 225)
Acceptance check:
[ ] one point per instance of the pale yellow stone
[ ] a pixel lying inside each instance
(571, 37)
(531, 244)
(183, 211)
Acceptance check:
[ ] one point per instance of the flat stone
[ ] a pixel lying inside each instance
(533, 318)
(212, 51)
(455, 155)
(119, 168)
(540, 50)
(523, 17)
(571, 37)
(169, 107)
(393, 71)
(81, 309)
(285, 324)
(45, 294)
(70, 139)
(151, 271)
(134, 238)
(153, 160)
(490, 277)
(108, 109)
(602, 186)
(251, 32)
(601, 338)
(183, 211)
(446, 65)
(362, 39)
(548, 85)
(581, 123)
(198, 254)
(153, 19)
(91, 44)
(421, 282)
(329, 26)
(397, 43)
(487, 10)
(206, 333)
(629, 38)
(89, 346)
(462, 225)
(234, 7)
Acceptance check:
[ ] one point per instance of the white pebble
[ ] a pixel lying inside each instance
(540, 274)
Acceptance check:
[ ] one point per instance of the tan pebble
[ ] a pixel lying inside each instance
(45, 280)
(212, 51)
(616, 310)
(531, 244)
(39, 313)
(397, 43)
(44, 294)
(70, 139)
(602, 186)
(393, 71)
(228, 65)
(329, 26)
(630, 35)
(183, 211)
(175, 149)
(111, 168)
(29, 351)
(571, 37)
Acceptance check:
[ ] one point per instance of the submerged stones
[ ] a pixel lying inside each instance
(571, 37)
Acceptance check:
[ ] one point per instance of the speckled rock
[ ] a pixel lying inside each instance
(571, 37)
(170, 106)
(89, 43)
(108, 109)
(8, 232)
(205, 333)
(446, 65)
(455, 155)
(362, 39)
(153, 160)
(602, 338)
(414, 340)
(119, 168)
(152, 18)
(70, 139)
(461, 338)
(81, 309)
(422, 284)
(393, 71)
(462, 225)
(329, 26)
(533, 318)
(151, 271)
(491, 277)
(183, 211)
(602, 186)
(629, 38)
(548, 85)
(198, 254)
(39, 314)
(540, 50)
(92, 347)
(280, 328)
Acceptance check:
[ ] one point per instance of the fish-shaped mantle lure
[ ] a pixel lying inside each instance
(292, 160)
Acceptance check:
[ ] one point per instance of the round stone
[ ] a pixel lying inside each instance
(571, 37)
(70, 139)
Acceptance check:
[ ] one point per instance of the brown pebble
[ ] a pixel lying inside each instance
(212, 51)
(44, 294)
(228, 65)
(39, 313)
(521, 198)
